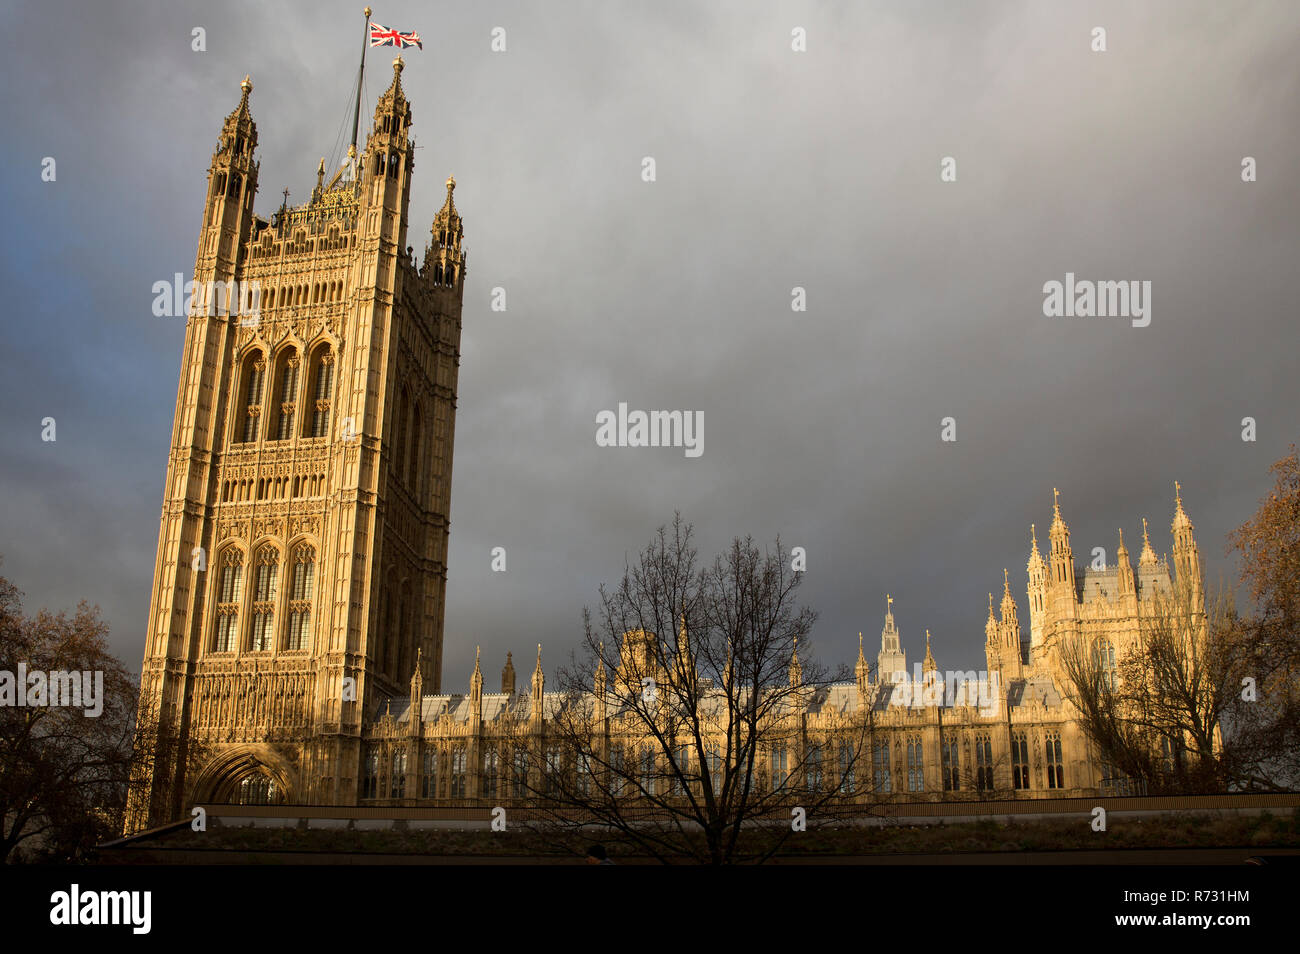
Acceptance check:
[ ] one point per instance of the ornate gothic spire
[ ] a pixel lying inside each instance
(1035, 558)
(539, 678)
(796, 670)
(476, 678)
(1181, 520)
(1148, 556)
(508, 676)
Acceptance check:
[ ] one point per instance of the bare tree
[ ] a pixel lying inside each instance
(64, 768)
(694, 723)
(1157, 717)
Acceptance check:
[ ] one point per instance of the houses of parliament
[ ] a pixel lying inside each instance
(295, 629)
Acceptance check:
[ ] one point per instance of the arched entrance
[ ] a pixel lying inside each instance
(246, 775)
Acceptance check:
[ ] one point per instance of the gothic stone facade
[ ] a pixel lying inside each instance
(302, 554)
(301, 562)
(443, 749)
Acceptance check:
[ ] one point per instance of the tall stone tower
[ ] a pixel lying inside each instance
(302, 555)
(892, 658)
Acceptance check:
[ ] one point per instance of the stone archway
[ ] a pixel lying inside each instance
(220, 781)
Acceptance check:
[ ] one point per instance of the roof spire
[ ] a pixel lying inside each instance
(1148, 557)
(1181, 520)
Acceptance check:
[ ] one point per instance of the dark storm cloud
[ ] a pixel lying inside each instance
(775, 169)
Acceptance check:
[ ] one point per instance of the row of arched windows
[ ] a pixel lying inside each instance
(285, 397)
(246, 618)
(291, 296)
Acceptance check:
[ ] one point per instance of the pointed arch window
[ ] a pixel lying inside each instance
(1055, 768)
(1020, 760)
(458, 771)
(847, 759)
(880, 767)
(230, 592)
(1103, 660)
(519, 772)
(983, 763)
(491, 771)
(397, 780)
(399, 434)
(264, 590)
(300, 595)
(254, 373)
(370, 780)
(256, 790)
(413, 471)
(951, 765)
(915, 765)
(288, 394)
(324, 395)
(814, 771)
(429, 782)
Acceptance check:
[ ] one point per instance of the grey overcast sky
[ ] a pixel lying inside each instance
(775, 169)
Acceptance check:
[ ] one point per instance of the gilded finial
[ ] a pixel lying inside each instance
(1056, 501)
(451, 183)
(1178, 493)
(398, 65)
(247, 84)
(366, 11)
(1033, 537)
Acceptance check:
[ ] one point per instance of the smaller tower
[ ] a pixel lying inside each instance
(417, 693)
(1061, 563)
(863, 674)
(599, 684)
(891, 658)
(1148, 556)
(445, 258)
(508, 677)
(796, 670)
(992, 649)
(1009, 631)
(476, 685)
(1127, 584)
(1037, 592)
(539, 682)
(1187, 557)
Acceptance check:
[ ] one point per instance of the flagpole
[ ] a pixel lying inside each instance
(356, 113)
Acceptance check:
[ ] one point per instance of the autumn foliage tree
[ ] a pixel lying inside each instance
(1268, 720)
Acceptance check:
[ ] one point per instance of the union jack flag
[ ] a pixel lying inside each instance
(386, 36)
